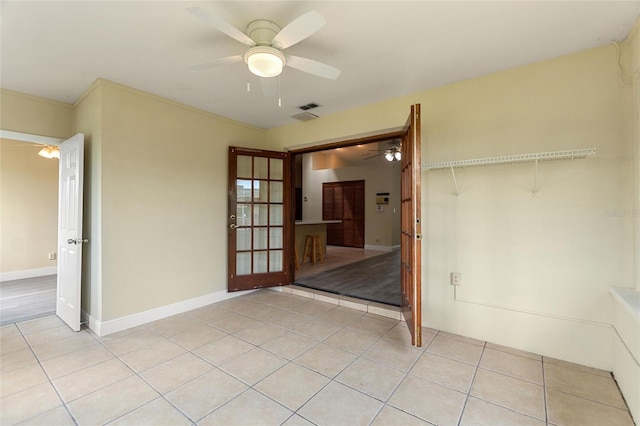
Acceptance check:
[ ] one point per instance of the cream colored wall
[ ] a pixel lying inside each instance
(631, 75)
(37, 116)
(88, 120)
(379, 226)
(626, 317)
(28, 201)
(28, 207)
(535, 270)
(164, 200)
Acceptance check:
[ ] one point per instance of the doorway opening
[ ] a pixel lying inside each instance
(29, 231)
(362, 256)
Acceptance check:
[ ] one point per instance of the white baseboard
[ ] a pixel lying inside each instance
(28, 273)
(381, 248)
(103, 328)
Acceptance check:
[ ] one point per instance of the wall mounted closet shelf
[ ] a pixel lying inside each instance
(511, 159)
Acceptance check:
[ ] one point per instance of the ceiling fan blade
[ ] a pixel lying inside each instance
(373, 156)
(219, 61)
(298, 29)
(313, 67)
(221, 25)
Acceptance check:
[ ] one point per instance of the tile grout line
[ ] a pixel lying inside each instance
(289, 309)
(331, 379)
(544, 392)
(473, 379)
(49, 380)
(406, 374)
(235, 378)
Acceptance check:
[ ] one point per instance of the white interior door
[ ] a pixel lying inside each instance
(70, 238)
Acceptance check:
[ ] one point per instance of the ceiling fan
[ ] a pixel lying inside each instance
(46, 150)
(391, 153)
(266, 41)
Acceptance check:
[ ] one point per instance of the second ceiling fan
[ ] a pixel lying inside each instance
(266, 41)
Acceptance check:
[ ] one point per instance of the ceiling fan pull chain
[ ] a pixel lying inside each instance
(279, 98)
(248, 86)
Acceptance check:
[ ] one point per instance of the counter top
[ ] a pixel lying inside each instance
(316, 222)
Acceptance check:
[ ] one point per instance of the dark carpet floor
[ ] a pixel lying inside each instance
(375, 279)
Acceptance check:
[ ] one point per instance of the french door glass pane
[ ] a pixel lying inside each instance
(261, 192)
(261, 214)
(276, 214)
(243, 239)
(260, 168)
(243, 190)
(244, 166)
(243, 214)
(243, 263)
(276, 169)
(275, 261)
(276, 192)
(259, 238)
(259, 262)
(275, 238)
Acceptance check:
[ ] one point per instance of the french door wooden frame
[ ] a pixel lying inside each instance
(411, 228)
(259, 220)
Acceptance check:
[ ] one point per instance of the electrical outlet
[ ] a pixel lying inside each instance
(456, 278)
(52, 256)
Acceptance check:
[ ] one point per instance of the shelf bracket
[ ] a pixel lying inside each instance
(535, 178)
(455, 181)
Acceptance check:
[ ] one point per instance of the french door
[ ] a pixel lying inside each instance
(259, 219)
(411, 228)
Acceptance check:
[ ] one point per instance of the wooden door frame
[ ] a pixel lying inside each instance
(380, 137)
(266, 279)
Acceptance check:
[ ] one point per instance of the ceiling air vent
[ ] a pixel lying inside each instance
(309, 106)
(304, 116)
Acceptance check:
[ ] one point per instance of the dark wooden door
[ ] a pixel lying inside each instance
(411, 228)
(259, 219)
(344, 201)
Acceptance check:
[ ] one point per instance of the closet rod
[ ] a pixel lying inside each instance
(509, 159)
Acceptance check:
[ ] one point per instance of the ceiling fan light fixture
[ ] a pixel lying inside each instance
(393, 154)
(265, 61)
(50, 151)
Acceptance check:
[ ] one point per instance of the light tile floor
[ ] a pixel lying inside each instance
(281, 358)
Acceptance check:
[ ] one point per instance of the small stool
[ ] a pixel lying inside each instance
(312, 249)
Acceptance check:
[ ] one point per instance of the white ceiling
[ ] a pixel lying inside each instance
(57, 49)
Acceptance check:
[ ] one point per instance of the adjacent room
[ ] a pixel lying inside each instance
(208, 149)
(350, 197)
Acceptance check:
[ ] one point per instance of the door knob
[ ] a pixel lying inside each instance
(77, 241)
(233, 226)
